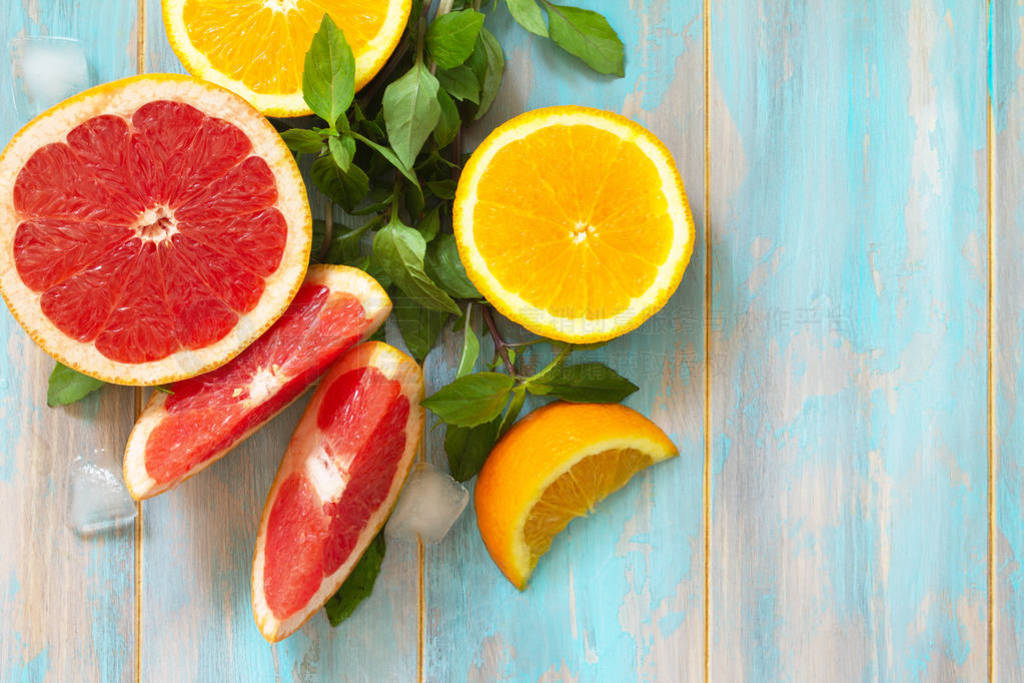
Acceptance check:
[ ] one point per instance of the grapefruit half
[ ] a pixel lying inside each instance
(150, 228)
(198, 420)
(337, 483)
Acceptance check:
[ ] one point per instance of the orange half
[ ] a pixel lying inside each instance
(574, 223)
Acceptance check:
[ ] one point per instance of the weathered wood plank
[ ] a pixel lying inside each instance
(619, 596)
(849, 343)
(1008, 334)
(67, 603)
(197, 557)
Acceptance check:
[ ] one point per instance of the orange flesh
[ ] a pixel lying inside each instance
(578, 197)
(223, 30)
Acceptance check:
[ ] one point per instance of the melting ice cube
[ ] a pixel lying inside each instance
(99, 500)
(46, 71)
(428, 506)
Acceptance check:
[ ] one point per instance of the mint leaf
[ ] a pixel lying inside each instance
(302, 141)
(391, 158)
(451, 37)
(430, 225)
(420, 327)
(587, 35)
(445, 267)
(328, 76)
(490, 78)
(461, 82)
(342, 149)
(471, 400)
(67, 386)
(583, 383)
(344, 249)
(345, 188)
(444, 189)
(411, 112)
(527, 14)
(399, 251)
(449, 123)
(470, 346)
(514, 408)
(468, 448)
(359, 584)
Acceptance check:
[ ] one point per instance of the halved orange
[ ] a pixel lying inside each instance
(257, 47)
(553, 466)
(573, 222)
(150, 228)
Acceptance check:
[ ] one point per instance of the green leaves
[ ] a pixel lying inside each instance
(67, 386)
(345, 188)
(470, 346)
(328, 76)
(471, 400)
(411, 111)
(359, 584)
(583, 383)
(342, 150)
(527, 14)
(451, 37)
(587, 35)
(419, 326)
(399, 251)
(445, 267)
(302, 141)
(461, 83)
(468, 448)
(492, 70)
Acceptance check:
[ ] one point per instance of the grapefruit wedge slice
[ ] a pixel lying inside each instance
(196, 421)
(337, 483)
(150, 228)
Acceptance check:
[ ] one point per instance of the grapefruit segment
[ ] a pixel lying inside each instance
(202, 418)
(150, 228)
(337, 483)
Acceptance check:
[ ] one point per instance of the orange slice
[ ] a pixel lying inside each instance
(337, 483)
(150, 228)
(257, 48)
(553, 466)
(574, 223)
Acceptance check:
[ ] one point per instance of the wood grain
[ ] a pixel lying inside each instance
(66, 603)
(620, 595)
(849, 346)
(1008, 336)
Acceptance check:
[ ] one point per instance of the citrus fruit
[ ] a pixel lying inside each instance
(337, 483)
(573, 222)
(193, 423)
(257, 48)
(150, 228)
(554, 465)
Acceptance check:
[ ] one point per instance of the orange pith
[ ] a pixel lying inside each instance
(573, 222)
(257, 47)
(553, 466)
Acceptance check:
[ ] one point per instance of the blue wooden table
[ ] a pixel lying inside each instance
(842, 369)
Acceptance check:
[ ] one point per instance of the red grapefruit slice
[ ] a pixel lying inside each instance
(187, 430)
(337, 483)
(150, 228)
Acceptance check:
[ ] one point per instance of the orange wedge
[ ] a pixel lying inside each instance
(553, 466)
(574, 223)
(257, 47)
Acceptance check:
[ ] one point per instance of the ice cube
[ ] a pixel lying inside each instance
(46, 71)
(99, 500)
(428, 506)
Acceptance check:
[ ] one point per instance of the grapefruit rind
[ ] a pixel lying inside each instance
(124, 97)
(338, 279)
(539, 320)
(394, 365)
(368, 63)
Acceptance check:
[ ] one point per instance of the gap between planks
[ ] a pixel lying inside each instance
(708, 280)
(990, 397)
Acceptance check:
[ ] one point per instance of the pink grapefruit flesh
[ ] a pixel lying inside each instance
(196, 421)
(150, 228)
(337, 483)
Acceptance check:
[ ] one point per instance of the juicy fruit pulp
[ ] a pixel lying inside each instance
(150, 228)
(585, 189)
(258, 47)
(553, 466)
(149, 234)
(200, 419)
(338, 480)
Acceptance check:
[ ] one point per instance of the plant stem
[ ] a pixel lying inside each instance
(499, 343)
(328, 230)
